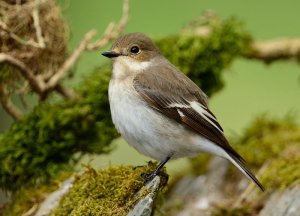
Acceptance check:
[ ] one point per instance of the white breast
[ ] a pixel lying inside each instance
(131, 117)
(144, 128)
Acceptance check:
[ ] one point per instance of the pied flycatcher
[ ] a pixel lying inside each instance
(160, 111)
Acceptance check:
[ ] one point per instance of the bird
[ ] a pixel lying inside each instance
(158, 110)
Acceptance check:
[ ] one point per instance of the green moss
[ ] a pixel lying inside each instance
(204, 58)
(30, 197)
(5, 72)
(283, 171)
(105, 192)
(46, 140)
(266, 139)
(275, 144)
(239, 211)
(9, 75)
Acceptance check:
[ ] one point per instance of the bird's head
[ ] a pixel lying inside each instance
(134, 50)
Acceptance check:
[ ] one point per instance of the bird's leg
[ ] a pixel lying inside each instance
(149, 176)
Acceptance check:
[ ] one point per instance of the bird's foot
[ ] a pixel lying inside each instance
(151, 175)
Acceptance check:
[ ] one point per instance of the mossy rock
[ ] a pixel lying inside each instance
(111, 191)
(27, 199)
(275, 145)
(283, 171)
(266, 138)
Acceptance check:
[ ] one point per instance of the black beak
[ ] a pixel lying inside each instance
(110, 54)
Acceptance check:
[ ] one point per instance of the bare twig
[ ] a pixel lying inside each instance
(113, 30)
(8, 105)
(37, 26)
(32, 210)
(17, 38)
(124, 19)
(66, 92)
(107, 37)
(69, 63)
(36, 84)
(45, 83)
(276, 49)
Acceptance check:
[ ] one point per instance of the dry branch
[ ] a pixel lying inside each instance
(276, 49)
(36, 22)
(112, 31)
(36, 84)
(70, 62)
(8, 105)
(267, 51)
(16, 37)
(45, 78)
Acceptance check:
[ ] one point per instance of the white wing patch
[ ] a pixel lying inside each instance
(180, 113)
(201, 110)
(178, 105)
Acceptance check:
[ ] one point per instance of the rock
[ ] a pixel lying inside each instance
(53, 199)
(286, 203)
(199, 194)
(144, 206)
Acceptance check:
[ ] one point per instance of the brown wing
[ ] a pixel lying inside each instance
(171, 93)
(174, 95)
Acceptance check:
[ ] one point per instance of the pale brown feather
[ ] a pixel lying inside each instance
(162, 86)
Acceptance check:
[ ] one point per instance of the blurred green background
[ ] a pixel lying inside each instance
(251, 87)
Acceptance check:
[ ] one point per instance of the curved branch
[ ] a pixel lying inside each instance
(113, 30)
(36, 84)
(267, 51)
(29, 42)
(70, 62)
(8, 105)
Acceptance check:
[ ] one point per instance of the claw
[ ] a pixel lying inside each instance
(151, 175)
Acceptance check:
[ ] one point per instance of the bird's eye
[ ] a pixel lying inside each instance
(135, 49)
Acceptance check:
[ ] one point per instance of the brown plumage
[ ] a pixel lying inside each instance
(160, 93)
(162, 97)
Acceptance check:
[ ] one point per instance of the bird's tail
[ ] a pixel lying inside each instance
(240, 164)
